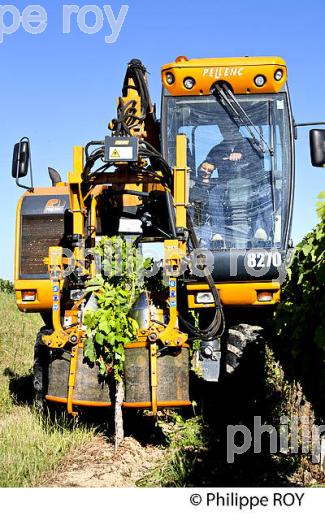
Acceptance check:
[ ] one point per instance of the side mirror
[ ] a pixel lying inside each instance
(21, 162)
(317, 147)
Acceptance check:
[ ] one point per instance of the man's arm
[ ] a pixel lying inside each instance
(220, 153)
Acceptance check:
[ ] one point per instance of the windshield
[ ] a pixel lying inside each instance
(239, 170)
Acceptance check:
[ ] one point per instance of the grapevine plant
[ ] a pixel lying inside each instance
(6, 287)
(300, 315)
(116, 289)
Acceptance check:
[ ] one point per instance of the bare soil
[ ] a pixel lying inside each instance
(98, 465)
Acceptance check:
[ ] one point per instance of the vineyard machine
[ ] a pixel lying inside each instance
(212, 207)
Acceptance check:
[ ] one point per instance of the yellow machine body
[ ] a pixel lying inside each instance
(70, 202)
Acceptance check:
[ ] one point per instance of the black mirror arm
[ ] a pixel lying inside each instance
(309, 124)
(29, 188)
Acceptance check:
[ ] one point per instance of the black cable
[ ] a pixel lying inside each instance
(127, 117)
(217, 326)
(92, 143)
(95, 155)
(137, 71)
(146, 150)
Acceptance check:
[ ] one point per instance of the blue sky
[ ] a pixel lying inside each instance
(60, 89)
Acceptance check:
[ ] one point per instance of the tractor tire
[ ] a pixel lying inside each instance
(240, 338)
(40, 370)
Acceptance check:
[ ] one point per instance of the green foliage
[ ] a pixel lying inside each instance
(186, 439)
(6, 287)
(110, 328)
(299, 318)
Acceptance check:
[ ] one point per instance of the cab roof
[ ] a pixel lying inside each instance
(240, 73)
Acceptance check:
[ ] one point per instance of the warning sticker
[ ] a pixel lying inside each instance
(119, 149)
(114, 154)
(121, 152)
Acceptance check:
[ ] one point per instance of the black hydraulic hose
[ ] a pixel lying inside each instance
(146, 150)
(92, 143)
(127, 117)
(97, 154)
(217, 326)
(136, 71)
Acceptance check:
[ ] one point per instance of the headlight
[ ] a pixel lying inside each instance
(189, 83)
(170, 78)
(259, 80)
(204, 297)
(278, 74)
(264, 296)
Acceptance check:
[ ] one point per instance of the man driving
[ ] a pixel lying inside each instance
(237, 162)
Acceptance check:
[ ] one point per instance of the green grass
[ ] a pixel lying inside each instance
(30, 445)
(186, 438)
(17, 337)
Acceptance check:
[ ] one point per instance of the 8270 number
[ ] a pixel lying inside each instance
(263, 259)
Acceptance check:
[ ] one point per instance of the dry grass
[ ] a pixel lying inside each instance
(30, 445)
(17, 338)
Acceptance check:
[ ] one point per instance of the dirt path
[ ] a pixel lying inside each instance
(98, 465)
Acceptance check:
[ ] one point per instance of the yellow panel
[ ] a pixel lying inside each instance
(180, 182)
(238, 72)
(78, 165)
(235, 294)
(50, 190)
(17, 239)
(43, 300)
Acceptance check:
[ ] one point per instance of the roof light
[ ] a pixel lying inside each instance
(181, 59)
(259, 80)
(189, 83)
(170, 78)
(278, 74)
(204, 297)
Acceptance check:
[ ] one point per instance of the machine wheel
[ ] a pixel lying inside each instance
(240, 338)
(40, 369)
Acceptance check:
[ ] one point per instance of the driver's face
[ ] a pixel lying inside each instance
(206, 171)
(205, 174)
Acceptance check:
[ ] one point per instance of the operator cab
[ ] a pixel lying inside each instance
(239, 154)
